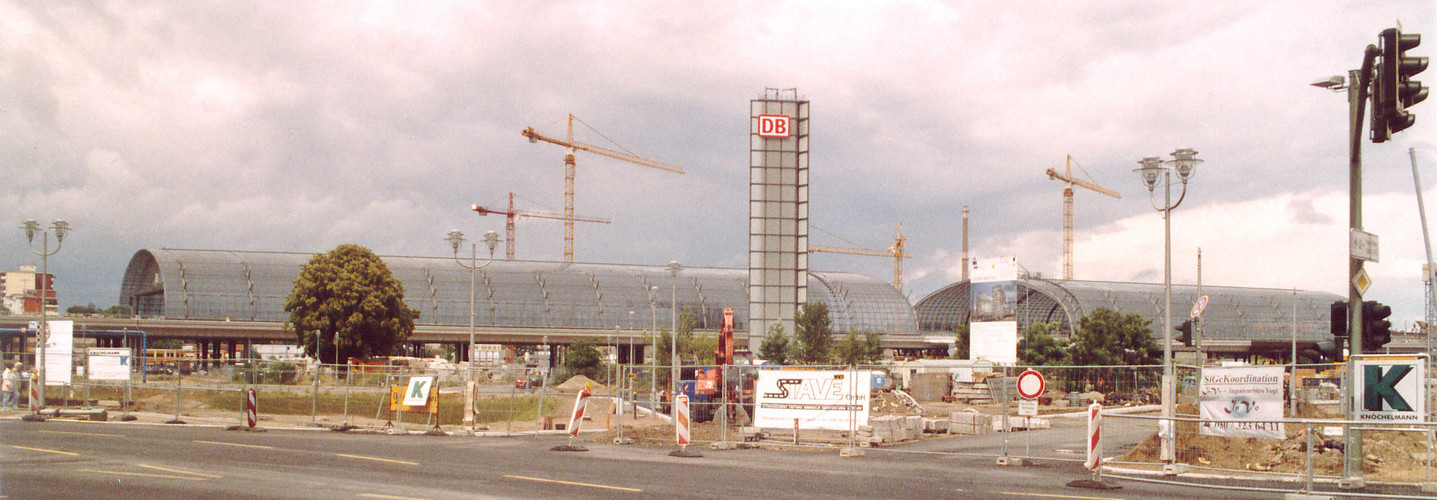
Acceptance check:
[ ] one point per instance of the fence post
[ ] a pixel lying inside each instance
(314, 399)
(1309, 458)
(177, 420)
(348, 372)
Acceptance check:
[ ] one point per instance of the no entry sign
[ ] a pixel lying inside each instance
(1031, 384)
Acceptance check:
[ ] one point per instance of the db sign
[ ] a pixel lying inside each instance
(774, 126)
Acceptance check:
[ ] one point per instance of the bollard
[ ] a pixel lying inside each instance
(177, 398)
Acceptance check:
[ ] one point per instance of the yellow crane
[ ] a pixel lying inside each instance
(510, 214)
(1067, 176)
(895, 251)
(569, 163)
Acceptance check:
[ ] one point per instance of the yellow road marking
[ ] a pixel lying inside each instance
(571, 483)
(390, 497)
(377, 459)
(177, 471)
(141, 474)
(45, 450)
(1055, 496)
(84, 433)
(236, 444)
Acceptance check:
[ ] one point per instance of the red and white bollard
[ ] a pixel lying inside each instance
(251, 408)
(577, 417)
(681, 423)
(1095, 441)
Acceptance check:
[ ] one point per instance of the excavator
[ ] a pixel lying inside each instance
(708, 383)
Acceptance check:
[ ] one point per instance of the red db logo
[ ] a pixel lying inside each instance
(774, 126)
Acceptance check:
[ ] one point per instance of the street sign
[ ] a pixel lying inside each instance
(1391, 390)
(1028, 408)
(1030, 384)
(1362, 281)
(1363, 245)
(1198, 307)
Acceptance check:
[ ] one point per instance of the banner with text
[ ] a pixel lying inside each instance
(993, 313)
(818, 399)
(109, 364)
(59, 347)
(1236, 402)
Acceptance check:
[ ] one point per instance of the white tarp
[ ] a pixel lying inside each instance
(1236, 400)
(109, 364)
(818, 399)
(59, 347)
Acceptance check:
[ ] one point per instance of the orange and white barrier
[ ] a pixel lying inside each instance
(1095, 441)
(580, 401)
(681, 420)
(251, 408)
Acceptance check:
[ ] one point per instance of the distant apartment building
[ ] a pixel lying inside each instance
(21, 291)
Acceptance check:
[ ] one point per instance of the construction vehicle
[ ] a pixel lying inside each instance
(705, 385)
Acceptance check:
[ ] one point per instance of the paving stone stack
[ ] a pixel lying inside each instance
(969, 423)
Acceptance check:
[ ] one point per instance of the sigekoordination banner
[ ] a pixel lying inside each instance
(1242, 402)
(817, 399)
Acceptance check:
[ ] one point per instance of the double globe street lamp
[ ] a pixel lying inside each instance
(456, 240)
(32, 228)
(1184, 162)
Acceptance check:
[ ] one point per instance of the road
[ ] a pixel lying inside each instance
(65, 459)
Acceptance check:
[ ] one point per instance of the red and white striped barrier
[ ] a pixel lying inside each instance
(251, 408)
(34, 394)
(1095, 441)
(580, 401)
(681, 420)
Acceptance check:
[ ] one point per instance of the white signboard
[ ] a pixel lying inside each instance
(1390, 390)
(818, 399)
(59, 347)
(417, 394)
(109, 364)
(992, 318)
(1242, 402)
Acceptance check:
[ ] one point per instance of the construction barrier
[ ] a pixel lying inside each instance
(581, 400)
(681, 420)
(251, 408)
(1095, 440)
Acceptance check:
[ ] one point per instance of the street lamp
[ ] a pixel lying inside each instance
(32, 228)
(456, 239)
(1184, 161)
(674, 268)
(654, 358)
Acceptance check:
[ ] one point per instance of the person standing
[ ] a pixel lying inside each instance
(10, 382)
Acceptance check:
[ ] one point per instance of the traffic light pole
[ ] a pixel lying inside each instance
(1359, 81)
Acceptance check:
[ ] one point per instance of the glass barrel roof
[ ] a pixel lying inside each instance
(252, 285)
(1232, 312)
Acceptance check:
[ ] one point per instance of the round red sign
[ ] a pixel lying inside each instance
(1031, 384)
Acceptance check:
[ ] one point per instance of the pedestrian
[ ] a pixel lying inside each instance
(10, 382)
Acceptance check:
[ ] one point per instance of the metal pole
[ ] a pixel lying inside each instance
(469, 379)
(1168, 382)
(1292, 382)
(654, 358)
(1356, 97)
(674, 339)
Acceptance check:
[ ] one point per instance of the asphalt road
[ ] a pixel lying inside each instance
(65, 459)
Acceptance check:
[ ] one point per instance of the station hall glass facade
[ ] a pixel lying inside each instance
(252, 286)
(1258, 315)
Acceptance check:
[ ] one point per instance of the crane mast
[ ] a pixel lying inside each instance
(569, 164)
(1067, 176)
(511, 214)
(895, 251)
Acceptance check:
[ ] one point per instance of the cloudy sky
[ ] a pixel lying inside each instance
(303, 125)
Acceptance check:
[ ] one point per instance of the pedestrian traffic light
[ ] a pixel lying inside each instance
(1393, 90)
(1185, 332)
(1376, 329)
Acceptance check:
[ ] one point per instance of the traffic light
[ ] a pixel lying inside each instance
(1339, 319)
(1185, 332)
(1331, 350)
(1393, 90)
(1376, 329)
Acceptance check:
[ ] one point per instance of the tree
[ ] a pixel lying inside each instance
(78, 309)
(583, 359)
(775, 345)
(350, 292)
(875, 347)
(1039, 346)
(1107, 337)
(960, 341)
(689, 348)
(813, 335)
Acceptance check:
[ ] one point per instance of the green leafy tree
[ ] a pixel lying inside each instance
(875, 348)
(690, 346)
(775, 345)
(960, 341)
(813, 336)
(1107, 337)
(583, 359)
(348, 292)
(1039, 345)
(855, 349)
(86, 309)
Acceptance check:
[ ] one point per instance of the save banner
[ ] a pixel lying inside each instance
(1242, 402)
(1390, 390)
(817, 399)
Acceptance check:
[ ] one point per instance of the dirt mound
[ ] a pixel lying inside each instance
(577, 382)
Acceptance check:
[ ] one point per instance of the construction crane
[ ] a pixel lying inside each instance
(895, 251)
(510, 214)
(569, 142)
(1067, 176)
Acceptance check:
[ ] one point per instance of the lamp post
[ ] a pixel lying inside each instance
(654, 358)
(456, 239)
(1184, 161)
(674, 268)
(31, 228)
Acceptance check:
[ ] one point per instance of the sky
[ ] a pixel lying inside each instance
(299, 126)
